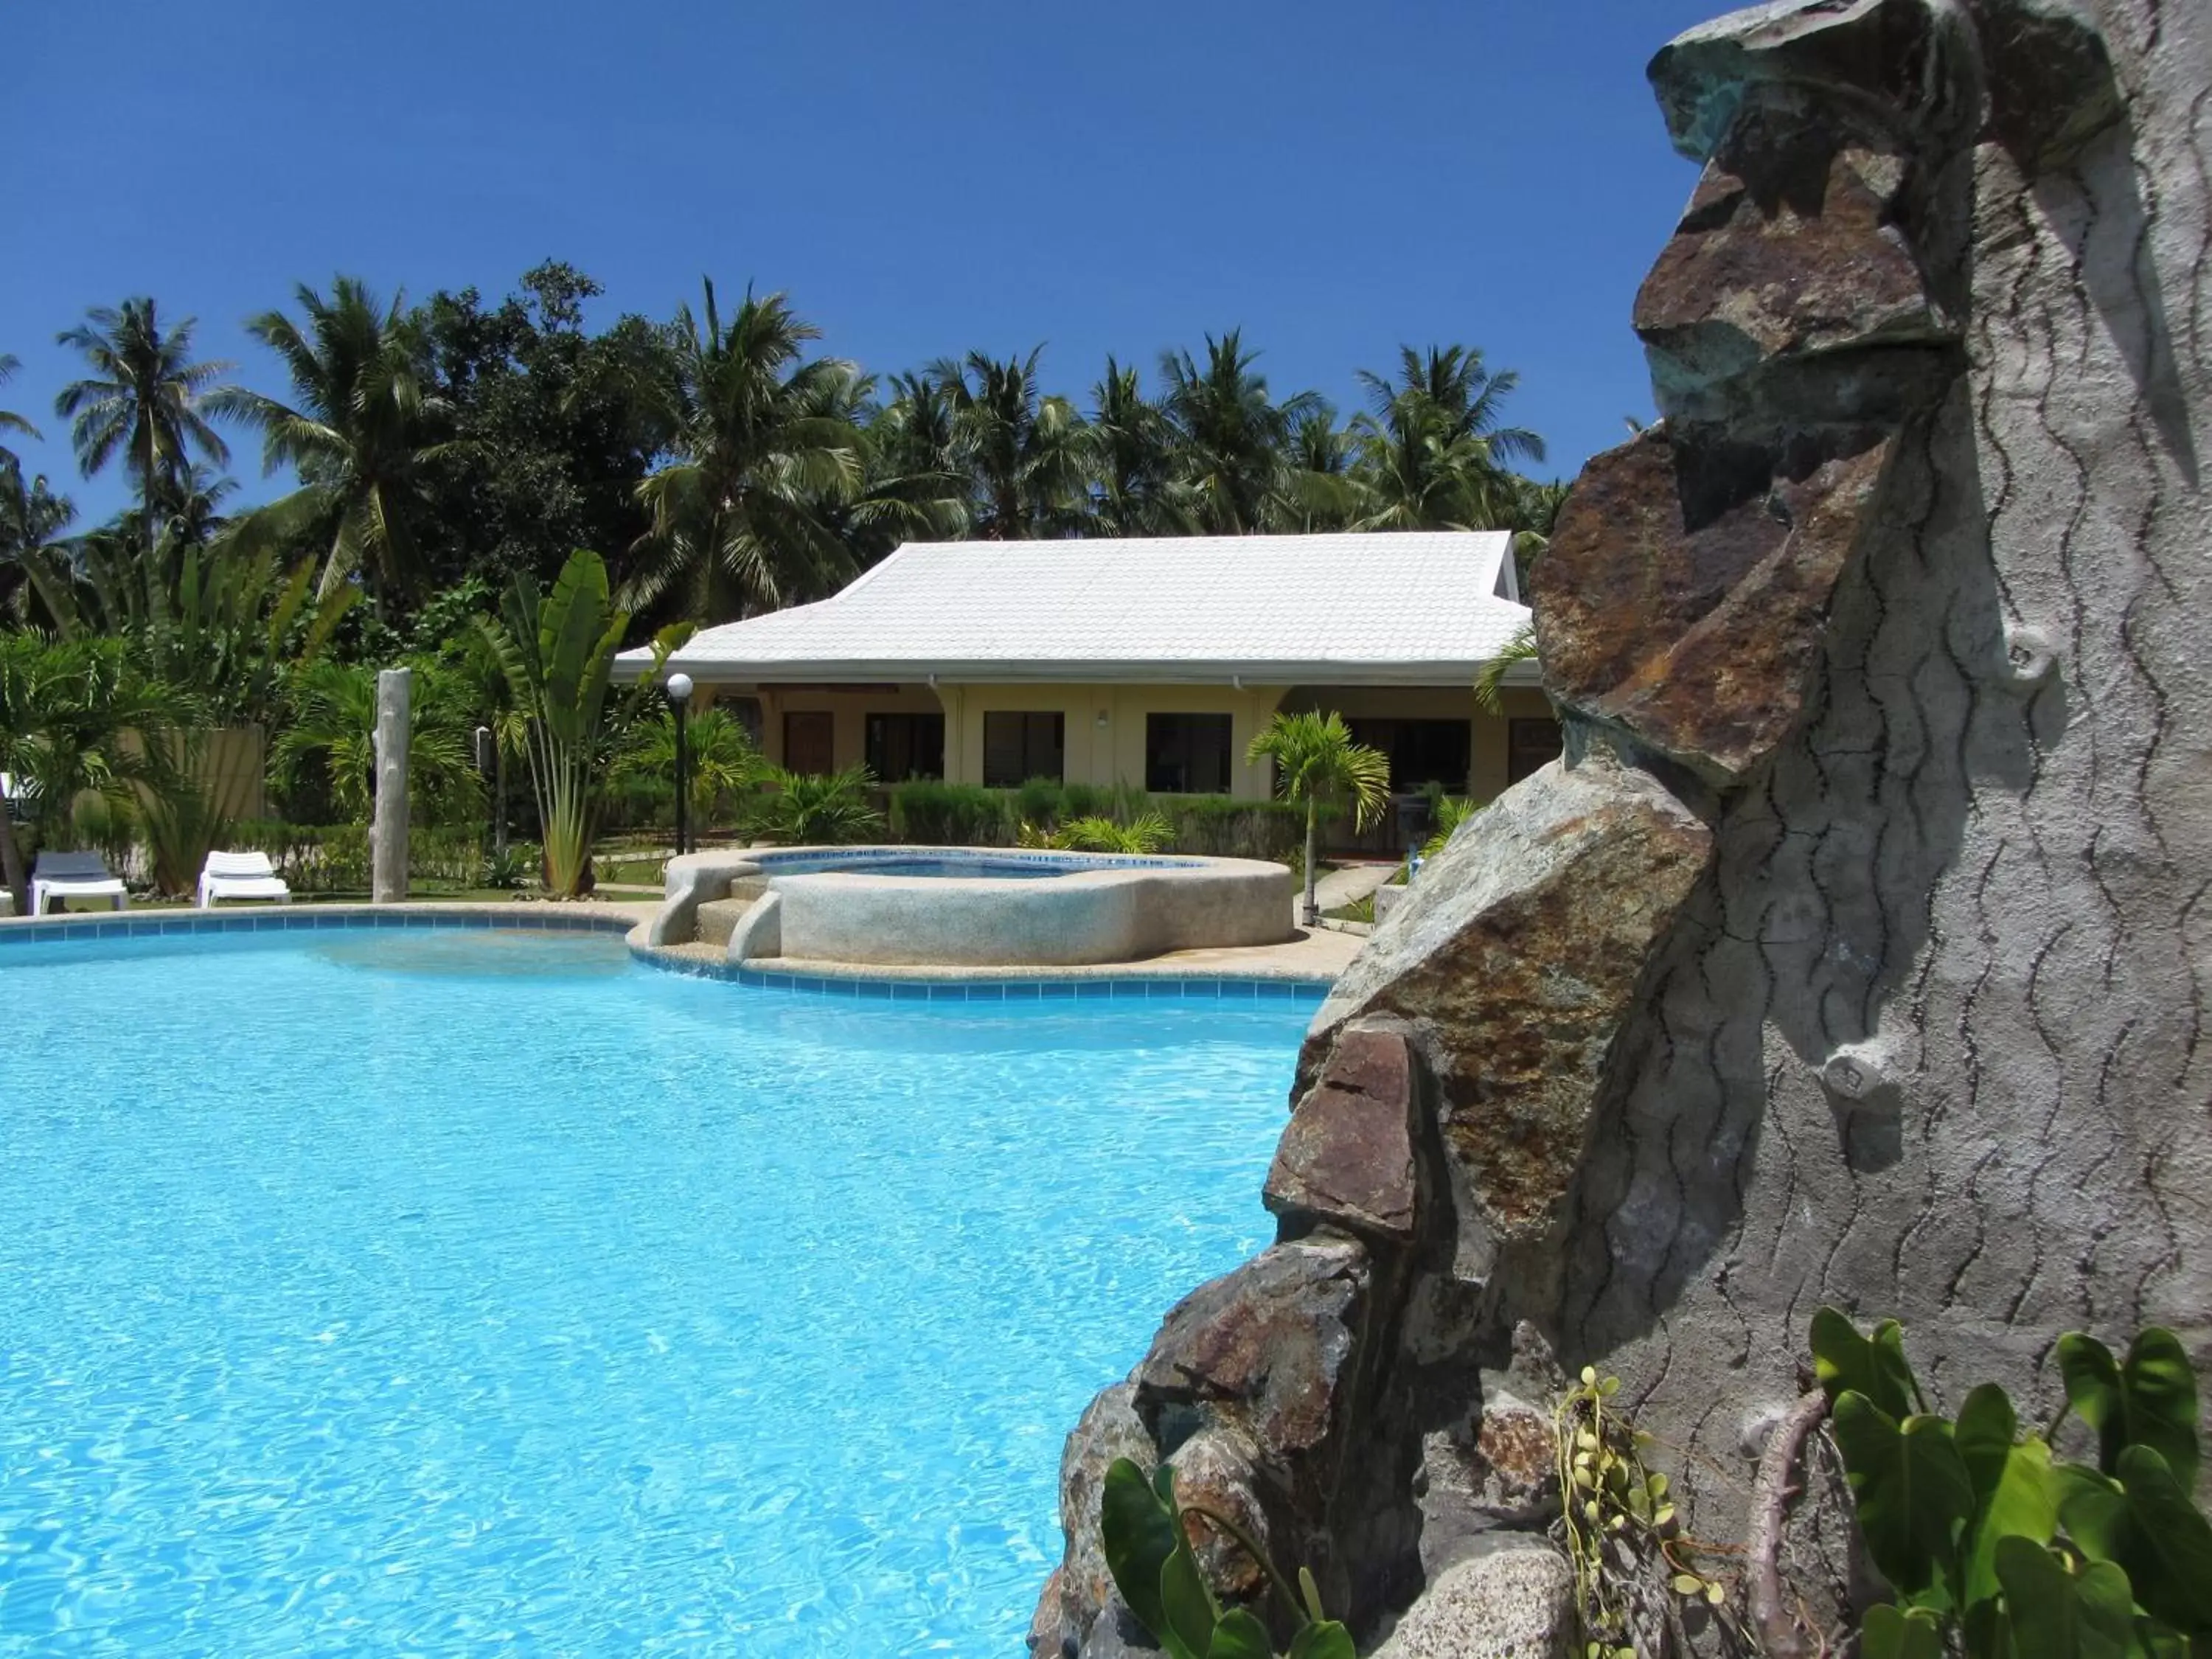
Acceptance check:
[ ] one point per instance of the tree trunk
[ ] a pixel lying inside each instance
(388, 832)
(499, 800)
(1313, 874)
(11, 865)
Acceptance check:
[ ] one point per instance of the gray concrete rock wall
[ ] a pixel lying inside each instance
(1886, 666)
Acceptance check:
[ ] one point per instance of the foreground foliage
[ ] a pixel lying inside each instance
(1148, 1552)
(1994, 1546)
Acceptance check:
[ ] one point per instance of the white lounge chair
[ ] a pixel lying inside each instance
(242, 875)
(74, 875)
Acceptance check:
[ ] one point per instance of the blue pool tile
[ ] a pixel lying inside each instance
(879, 990)
(810, 983)
(1023, 990)
(842, 988)
(1201, 988)
(948, 993)
(1280, 989)
(991, 992)
(1130, 988)
(1088, 989)
(902, 992)
(1059, 987)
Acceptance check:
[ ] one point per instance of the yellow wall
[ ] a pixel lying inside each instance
(1487, 752)
(1104, 725)
(849, 709)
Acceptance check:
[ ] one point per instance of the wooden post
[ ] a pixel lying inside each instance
(387, 835)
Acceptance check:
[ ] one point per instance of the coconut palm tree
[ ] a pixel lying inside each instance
(360, 430)
(1132, 458)
(1317, 763)
(1024, 451)
(1231, 467)
(9, 421)
(145, 400)
(1432, 450)
(762, 441)
(34, 559)
(915, 487)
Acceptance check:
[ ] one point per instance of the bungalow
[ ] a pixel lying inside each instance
(1152, 661)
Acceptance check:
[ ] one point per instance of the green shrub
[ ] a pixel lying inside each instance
(1222, 826)
(936, 814)
(1041, 801)
(322, 859)
(1993, 1548)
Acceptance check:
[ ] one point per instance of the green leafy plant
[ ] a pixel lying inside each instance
(1988, 1542)
(829, 809)
(1095, 833)
(505, 867)
(1613, 1511)
(557, 650)
(1148, 1552)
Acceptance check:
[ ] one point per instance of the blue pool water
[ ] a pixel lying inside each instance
(1025, 866)
(371, 1293)
(980, 865)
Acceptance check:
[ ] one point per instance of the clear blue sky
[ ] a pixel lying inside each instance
(922, 179)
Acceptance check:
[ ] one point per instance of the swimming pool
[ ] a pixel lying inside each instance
(468, 1292)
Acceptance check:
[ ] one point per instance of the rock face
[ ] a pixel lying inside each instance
(1347, 1158)
(1510, 1604)
(1857, 950)
(1515, 965)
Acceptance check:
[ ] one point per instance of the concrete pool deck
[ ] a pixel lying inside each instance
(1312, 957)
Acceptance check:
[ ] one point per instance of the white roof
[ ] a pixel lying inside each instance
(1406, 607)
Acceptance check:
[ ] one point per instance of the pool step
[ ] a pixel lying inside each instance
(719, 917)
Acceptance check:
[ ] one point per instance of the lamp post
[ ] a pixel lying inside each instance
(679, 699)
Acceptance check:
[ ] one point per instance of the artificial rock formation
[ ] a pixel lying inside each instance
(1857, 950)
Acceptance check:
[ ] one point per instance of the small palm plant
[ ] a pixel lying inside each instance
(1317, 763)
(721, 758)
(558, 650)
(820, 810)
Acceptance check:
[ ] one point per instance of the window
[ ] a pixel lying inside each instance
(1187, 754)
(1530, 744)
(1421, 752)
(1018, 746)
(902, 746)
(809, 743)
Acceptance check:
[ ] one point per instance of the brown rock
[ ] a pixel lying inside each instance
(1524, 941)
(1050, 1635)
(1108, 1429)
(1687, 583)
(1516, 1461)
(1878, 53)
(1789, 247)
(1215, 1472)
(1265, 1347)
(1347, 1155)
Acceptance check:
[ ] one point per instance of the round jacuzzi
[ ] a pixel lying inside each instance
(967, 906)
